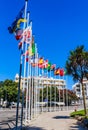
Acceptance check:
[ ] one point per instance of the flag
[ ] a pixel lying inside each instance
(49, 66)
(18, 34)
(20, 44)
(31, 50)
(40, 66)
(16, 22)
(34, 62)
(45, 64)
(57, 71)
(27, 34)
(53, 67)
(40, 61)
(61, 72)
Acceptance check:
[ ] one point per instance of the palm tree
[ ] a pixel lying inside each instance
(77, 66)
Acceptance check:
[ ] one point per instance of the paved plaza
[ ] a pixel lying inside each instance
(59, 120)
(55, 121)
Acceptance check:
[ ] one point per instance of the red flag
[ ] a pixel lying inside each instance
(61, 72)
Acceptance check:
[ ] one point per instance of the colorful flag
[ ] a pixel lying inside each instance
(40, 66)
(18, 34)
(20, 44)
(49, 66)
(40, 61)
(14, 26)
(31, 50)
(61, 72)
(27, 34)
(45, 64)
(57, 71)
(53, 67)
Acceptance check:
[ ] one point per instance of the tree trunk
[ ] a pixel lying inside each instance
(84, 100)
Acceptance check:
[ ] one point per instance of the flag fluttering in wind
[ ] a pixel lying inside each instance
(61, 72)
(40, 62)
(27, 35)
(57, 71)
(17, 25)
(53, 67)
(49, 66)
(45, 64)
(32, 47)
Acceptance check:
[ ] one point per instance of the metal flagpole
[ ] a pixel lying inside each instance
(63, 94)
(47, 90)
(42, 88)
(39, 89)
(24, 77)
(50, 91)
(66, 93)
(36, 75)
(59, 93)
(20, 72)
(27, 73)
(55, 91)
(30, 85)
(35, 80)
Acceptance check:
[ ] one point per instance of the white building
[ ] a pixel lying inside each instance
(43, 81)
(77, 88)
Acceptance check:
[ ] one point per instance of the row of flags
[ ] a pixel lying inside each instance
(24, 36)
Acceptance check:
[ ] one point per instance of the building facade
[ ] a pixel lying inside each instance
(42, 81)
(77, 88)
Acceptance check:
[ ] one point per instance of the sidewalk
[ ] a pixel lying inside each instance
(54, 121)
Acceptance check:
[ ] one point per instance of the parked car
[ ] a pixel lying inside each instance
(14, 105)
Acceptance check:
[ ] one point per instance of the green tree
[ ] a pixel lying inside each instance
(77, 66)
(53, 92)
(8, 90)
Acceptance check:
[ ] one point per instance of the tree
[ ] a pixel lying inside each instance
(8, 90)
(71, 96)
(77, 66)
(53, 92)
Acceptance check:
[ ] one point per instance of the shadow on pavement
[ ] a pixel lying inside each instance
(76, 126)
(61, 117)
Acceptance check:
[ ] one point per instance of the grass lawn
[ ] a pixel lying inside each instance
(77, 113)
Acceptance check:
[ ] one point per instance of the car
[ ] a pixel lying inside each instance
(14, 105)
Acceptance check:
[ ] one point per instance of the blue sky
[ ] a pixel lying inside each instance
(58, 25)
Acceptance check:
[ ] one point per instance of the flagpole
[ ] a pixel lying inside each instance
(20, 72)
(42, 88)
(63, 93)
(47, 90)
(36, 93)
(50, 90)
(59, 93)
(55, 94)
(30, 83)
(25, 49)
(27, 74)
